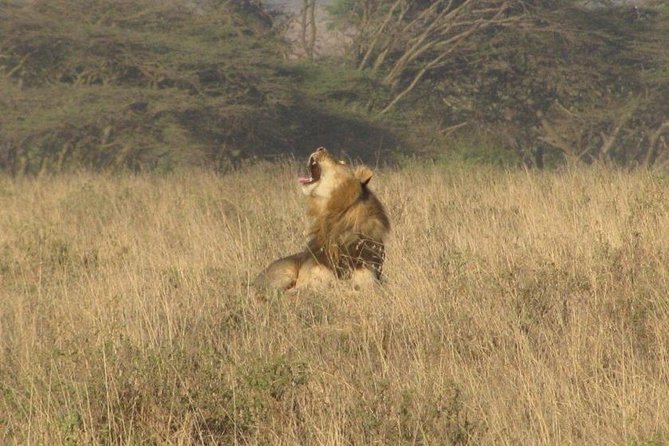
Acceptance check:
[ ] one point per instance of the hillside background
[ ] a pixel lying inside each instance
(151, 84)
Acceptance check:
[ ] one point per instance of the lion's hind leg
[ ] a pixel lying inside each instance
(281, 274)
(365, 279)
(314, 275)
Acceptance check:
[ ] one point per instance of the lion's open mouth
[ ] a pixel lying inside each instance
(314, 170)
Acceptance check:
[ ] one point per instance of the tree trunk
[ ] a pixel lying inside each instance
(539, 157)
(308, 31)
(651, 155)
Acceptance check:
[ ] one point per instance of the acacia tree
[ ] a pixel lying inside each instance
(652, 120)
(616, 109)
(587, 82)
(403, 41)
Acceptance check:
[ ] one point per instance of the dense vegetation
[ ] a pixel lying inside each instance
(154, 84)
(148, 83)
(584, 80)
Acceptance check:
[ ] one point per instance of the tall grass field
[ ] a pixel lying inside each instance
(519, 308)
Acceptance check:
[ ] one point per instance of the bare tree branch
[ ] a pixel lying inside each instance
(609, 140)
(452, 43)
(653, 146)
(553, 138)
(378, 33)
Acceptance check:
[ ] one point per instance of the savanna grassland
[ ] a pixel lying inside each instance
(520, 307)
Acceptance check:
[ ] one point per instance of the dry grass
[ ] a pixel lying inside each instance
(520, 308)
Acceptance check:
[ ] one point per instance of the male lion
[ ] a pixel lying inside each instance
(348, 226)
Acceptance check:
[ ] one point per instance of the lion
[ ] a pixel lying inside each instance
(348, 225)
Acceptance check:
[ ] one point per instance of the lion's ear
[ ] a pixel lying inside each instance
(364, 174)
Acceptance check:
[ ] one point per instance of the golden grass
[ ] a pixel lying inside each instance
(520, 308)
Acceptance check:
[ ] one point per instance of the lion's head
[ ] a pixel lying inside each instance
(325, 174)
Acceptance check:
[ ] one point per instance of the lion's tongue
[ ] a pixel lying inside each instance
(304, 180)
